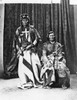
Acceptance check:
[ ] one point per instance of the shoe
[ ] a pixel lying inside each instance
(46, 87)
(25, 86)
(64, 87)
(50, 83)
(20, 87)
(35, 86)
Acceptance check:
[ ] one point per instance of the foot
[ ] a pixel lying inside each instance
(25, 85)
(20, 86)
(46, 87)
(50, 83)
(35, 86)
(64, 87)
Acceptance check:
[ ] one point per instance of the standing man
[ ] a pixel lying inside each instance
(29, 64)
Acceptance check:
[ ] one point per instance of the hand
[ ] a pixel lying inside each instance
(28, 47)
(22, 49)
(19, 52)
(44, 59)
(55, 53)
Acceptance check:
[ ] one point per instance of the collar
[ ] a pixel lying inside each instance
(52, 42)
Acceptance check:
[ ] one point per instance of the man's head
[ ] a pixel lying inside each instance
(24, 19)
(51, 36)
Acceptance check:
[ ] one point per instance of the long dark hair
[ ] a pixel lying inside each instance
(24, 16)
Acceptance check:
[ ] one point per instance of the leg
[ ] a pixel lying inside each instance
(35, 62)
(66, 83)
(44, 79)
(49, 81)
(21, 73)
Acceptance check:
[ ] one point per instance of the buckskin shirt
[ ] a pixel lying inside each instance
(55, 60)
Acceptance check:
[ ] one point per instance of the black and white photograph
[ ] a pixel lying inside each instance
(38, 50)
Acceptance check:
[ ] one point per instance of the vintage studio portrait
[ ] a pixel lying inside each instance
(38, 51)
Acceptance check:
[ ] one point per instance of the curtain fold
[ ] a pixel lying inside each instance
(69, 36)
(44, 17)
(63, 26)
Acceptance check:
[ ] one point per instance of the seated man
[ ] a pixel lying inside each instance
(54, 71)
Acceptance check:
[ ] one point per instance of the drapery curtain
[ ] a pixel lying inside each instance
(44, 17)
(69, 35)
(63, 26)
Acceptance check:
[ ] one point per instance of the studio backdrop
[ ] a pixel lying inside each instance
(44, 17)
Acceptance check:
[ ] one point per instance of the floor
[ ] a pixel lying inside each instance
(9, 91)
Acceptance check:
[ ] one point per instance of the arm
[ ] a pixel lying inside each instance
(44, 52)
(37, 36)
(58, 49)
(35, 40)
(18, 42)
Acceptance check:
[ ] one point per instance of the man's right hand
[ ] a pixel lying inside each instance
(19, 52)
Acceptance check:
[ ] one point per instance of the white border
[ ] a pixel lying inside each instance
(30, 1)
(73, 2)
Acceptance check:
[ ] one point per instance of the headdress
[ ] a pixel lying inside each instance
(24, 16)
